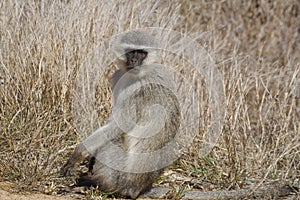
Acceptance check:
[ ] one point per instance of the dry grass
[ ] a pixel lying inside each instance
(45, 48)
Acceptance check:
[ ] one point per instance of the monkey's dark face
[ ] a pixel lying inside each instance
(135, 58)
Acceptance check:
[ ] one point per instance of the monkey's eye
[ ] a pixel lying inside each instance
(142, 53)
(136, 51)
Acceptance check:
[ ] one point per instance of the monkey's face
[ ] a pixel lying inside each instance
(135, 58)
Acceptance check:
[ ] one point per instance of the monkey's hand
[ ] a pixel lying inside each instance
(78, 155)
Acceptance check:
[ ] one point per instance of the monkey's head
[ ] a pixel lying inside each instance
(136, 48)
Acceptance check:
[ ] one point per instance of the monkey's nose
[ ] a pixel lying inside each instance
(134, 61)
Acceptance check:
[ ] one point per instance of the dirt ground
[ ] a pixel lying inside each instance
(4, 195)
(7, 192)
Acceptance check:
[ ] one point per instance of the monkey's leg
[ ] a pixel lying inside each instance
(96, 140)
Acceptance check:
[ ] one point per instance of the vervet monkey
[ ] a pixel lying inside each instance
(130, 151)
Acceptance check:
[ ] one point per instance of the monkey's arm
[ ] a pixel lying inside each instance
(79, 154)
(86, 148)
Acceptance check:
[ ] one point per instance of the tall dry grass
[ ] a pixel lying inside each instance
(50, 50)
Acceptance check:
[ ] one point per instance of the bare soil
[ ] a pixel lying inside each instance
(8, 192)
